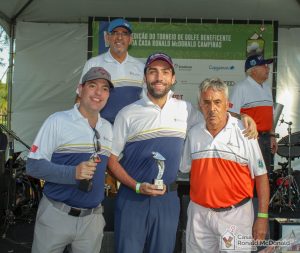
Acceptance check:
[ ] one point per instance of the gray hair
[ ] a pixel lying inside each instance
(215, 83)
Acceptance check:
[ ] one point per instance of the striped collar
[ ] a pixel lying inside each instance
(76, 115)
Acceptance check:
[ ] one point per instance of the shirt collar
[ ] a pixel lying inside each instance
(253, 82)
(76, 115)
(231, 121)
(109, 58)
(149, 102)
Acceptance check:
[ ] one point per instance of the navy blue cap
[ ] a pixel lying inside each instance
(256, 60)
(159, 56)
(119, 22)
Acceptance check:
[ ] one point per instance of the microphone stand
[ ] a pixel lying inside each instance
(287, 193)
(13, 135)
(11, 191)
(289, 164)
(290, 178)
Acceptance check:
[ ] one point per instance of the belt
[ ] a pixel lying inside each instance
(223, 209)
(264, 133)
(172, 187)
(74, 211)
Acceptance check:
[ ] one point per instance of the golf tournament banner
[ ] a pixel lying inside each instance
(198, 50)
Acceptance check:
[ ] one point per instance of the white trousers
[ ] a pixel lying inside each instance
(210, 232)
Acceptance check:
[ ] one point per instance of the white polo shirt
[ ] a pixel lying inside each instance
(66, 138)
(143, 127)
(222, 167)
(255, 100)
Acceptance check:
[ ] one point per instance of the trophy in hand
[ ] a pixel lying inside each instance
(86, 185)
(160, 161)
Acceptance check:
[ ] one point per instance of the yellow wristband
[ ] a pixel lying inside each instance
(263, 215)
(137, 187)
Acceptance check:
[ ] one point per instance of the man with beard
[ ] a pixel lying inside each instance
(146, 218)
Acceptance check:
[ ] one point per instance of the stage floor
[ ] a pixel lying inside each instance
(18, 238)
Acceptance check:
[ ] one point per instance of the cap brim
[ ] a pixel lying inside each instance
(127, 28)
(265, 61)
(109, 82)
(268, 61)
(159, 59)
(123, 26)
(111, 85)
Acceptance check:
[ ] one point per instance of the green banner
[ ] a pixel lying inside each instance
(201, 41)
(199, 50)
(194, 40)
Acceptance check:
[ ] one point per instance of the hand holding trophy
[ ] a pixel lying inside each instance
(160, 161)
(86, 185)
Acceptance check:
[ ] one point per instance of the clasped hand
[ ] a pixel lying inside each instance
(85, 170)
(151, 189)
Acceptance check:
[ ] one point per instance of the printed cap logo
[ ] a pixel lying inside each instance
(253, 63)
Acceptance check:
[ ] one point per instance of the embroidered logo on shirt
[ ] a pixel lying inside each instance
(34, 148)
(134, 73)
(260, 163)
(179, 120)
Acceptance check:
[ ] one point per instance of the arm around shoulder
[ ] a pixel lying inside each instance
(119, 172)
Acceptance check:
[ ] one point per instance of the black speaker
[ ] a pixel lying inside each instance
(2, 162)
(109, 205)
(287, 228)
(4, 179)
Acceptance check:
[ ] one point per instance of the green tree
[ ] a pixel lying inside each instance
(4, 42)
(3, 103)
(3, 98)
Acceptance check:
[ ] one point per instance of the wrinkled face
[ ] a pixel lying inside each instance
(159, 79)
(214, 105)
(119, 40)
(93, 96)
(261, 73)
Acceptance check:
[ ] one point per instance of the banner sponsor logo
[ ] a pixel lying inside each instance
(217, 68)
(178, 67)
(230, 83)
